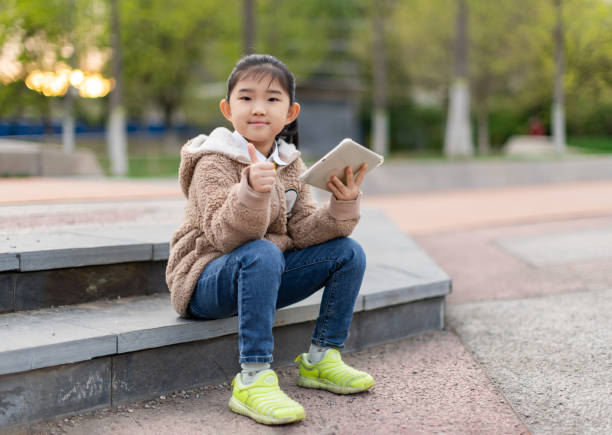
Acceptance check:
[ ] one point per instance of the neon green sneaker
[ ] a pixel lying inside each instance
(264, 401)
(332, 374)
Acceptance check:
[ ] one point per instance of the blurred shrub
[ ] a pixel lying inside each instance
(504, 123)
(592, 120)
(413, 128)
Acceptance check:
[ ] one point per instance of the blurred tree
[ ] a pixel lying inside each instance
(458, 135)
(173, 50)
(588, 78)
(380, 116)
(163, 45)
(510, 58)
(36, 37)
(248, 18)
(62, 33)
(558, 108)
(507, 37)
(116, 135)
(419, 40)
(306, 35)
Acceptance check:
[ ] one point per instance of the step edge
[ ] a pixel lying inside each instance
(193, 330)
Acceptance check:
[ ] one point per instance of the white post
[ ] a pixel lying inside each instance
(117, 142)
(458, 135)
(380, 122)
(380, 131)
(117, 136)
(68, 123)
(558, 128)
(558, 107)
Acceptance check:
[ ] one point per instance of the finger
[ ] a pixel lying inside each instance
(349, 177)
(266, 187)
(361, 174)
(253, 153)
(334, 190)
(339, 185)
(267, 173)
(264, 166)
(263, 185)
(268, 180)
(265, 181)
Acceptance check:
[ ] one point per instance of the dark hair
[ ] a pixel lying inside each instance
(260, 66)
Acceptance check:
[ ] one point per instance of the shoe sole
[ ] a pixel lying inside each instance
(240, 408)
(323, 384)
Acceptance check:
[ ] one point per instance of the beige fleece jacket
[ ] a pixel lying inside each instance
(223, 212)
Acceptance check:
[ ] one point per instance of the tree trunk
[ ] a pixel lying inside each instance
(68, 123)
(558, 108)
(68, 119)
(458, 136)
(47, 120)
(484, 142)
(248, 41)
(380, 123)
(116, 134)
(171, 137)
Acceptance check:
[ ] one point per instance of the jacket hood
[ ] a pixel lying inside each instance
(220, 141)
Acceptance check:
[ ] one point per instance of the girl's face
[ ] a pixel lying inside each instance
(259, 109)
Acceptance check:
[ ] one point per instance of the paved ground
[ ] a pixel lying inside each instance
(528, 344)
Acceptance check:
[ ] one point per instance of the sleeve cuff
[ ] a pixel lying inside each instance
(344, 210)
(249, 197)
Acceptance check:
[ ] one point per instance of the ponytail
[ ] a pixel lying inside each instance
(290, 133)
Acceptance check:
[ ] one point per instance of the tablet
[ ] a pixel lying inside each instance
(346, 153)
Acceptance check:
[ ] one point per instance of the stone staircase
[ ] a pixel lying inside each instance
(86, 320)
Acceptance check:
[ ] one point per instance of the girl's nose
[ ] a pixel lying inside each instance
(258, 109)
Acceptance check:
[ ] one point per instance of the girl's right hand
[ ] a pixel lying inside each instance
(262, 175)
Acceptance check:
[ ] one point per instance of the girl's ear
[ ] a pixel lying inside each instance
(294, 111)
(226, 110)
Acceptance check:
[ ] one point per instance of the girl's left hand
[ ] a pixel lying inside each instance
(350, 192)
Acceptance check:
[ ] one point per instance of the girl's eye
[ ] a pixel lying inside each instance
(245, 98)
(273, 99)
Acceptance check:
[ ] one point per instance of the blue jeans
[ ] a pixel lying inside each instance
(256, 279)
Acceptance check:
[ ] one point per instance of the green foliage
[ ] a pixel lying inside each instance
(412, 128)
(147, 166)
(594, 119)
(590, 144)
(303, 34)
(162, 45)
(504, 123)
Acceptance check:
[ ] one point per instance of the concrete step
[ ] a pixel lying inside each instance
(57, 361)
(40, 270)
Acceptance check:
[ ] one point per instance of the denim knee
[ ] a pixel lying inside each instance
(265, 254)
(354, 252)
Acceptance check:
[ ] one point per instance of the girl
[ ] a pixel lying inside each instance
(253, 241)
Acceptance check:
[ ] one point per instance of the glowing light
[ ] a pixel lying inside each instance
(76, 78)
(56, 84)
(34, 80)
(10, 68)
